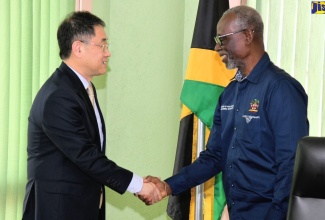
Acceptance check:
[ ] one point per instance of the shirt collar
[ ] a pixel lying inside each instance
(239, 76)
(255, 74)
(85, 83)
(259, 68)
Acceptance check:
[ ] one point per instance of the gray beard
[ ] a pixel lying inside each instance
(231, 64)
(234, 63)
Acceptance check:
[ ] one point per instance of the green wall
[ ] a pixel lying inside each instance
(149, 42)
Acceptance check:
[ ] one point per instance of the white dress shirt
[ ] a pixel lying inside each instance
(136, 183)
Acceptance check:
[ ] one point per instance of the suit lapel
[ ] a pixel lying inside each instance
(82, 93)
(91, 112)
(102, 120)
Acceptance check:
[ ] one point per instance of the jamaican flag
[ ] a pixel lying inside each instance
(206, 77)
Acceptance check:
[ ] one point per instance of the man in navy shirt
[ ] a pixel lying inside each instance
(258, 121)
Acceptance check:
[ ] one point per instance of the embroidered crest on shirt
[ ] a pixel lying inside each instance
(248, 118)
(254, 105)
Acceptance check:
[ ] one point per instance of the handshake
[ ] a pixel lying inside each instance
(153, 190)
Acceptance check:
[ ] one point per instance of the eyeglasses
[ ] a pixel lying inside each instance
(103, 46)
(218, 39)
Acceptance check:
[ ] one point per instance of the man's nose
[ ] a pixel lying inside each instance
(217, 47)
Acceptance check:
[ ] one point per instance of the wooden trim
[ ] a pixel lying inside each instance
(233, 3)
(84, 5)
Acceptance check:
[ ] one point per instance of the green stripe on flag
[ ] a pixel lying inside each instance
(202, 99)
(219, 197)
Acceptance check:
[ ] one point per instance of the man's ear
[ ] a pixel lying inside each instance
(249, 36)
(76, 48)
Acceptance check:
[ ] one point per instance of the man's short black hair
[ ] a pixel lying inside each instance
(76, 26)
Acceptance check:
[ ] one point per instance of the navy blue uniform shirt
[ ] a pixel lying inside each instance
(253, 140)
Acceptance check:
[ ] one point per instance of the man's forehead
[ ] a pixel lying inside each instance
(227, 18)
(226, 22)
(100, 34)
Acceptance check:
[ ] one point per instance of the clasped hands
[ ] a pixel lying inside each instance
(153, 190)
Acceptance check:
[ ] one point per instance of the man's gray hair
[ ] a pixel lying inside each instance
(248, 18)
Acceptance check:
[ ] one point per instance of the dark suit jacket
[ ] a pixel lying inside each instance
(66, 166)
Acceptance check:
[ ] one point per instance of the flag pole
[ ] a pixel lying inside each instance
(199, 189)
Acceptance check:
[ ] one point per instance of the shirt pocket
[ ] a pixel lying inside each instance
(250, 129)
(66, 188)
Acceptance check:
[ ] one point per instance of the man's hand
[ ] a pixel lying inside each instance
(149, 193)
(161, 190)
(161, 185)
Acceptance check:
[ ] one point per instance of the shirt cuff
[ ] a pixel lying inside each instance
(136, 184)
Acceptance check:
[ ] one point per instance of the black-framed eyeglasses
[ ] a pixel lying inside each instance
(218, 38)
(103, 46)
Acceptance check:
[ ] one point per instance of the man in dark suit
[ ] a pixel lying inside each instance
(67, 166)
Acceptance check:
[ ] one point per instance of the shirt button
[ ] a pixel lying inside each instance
(232, 146)
(232, 185)
(230, 166)
(233, 203)
(237, 110)
(235, 128)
